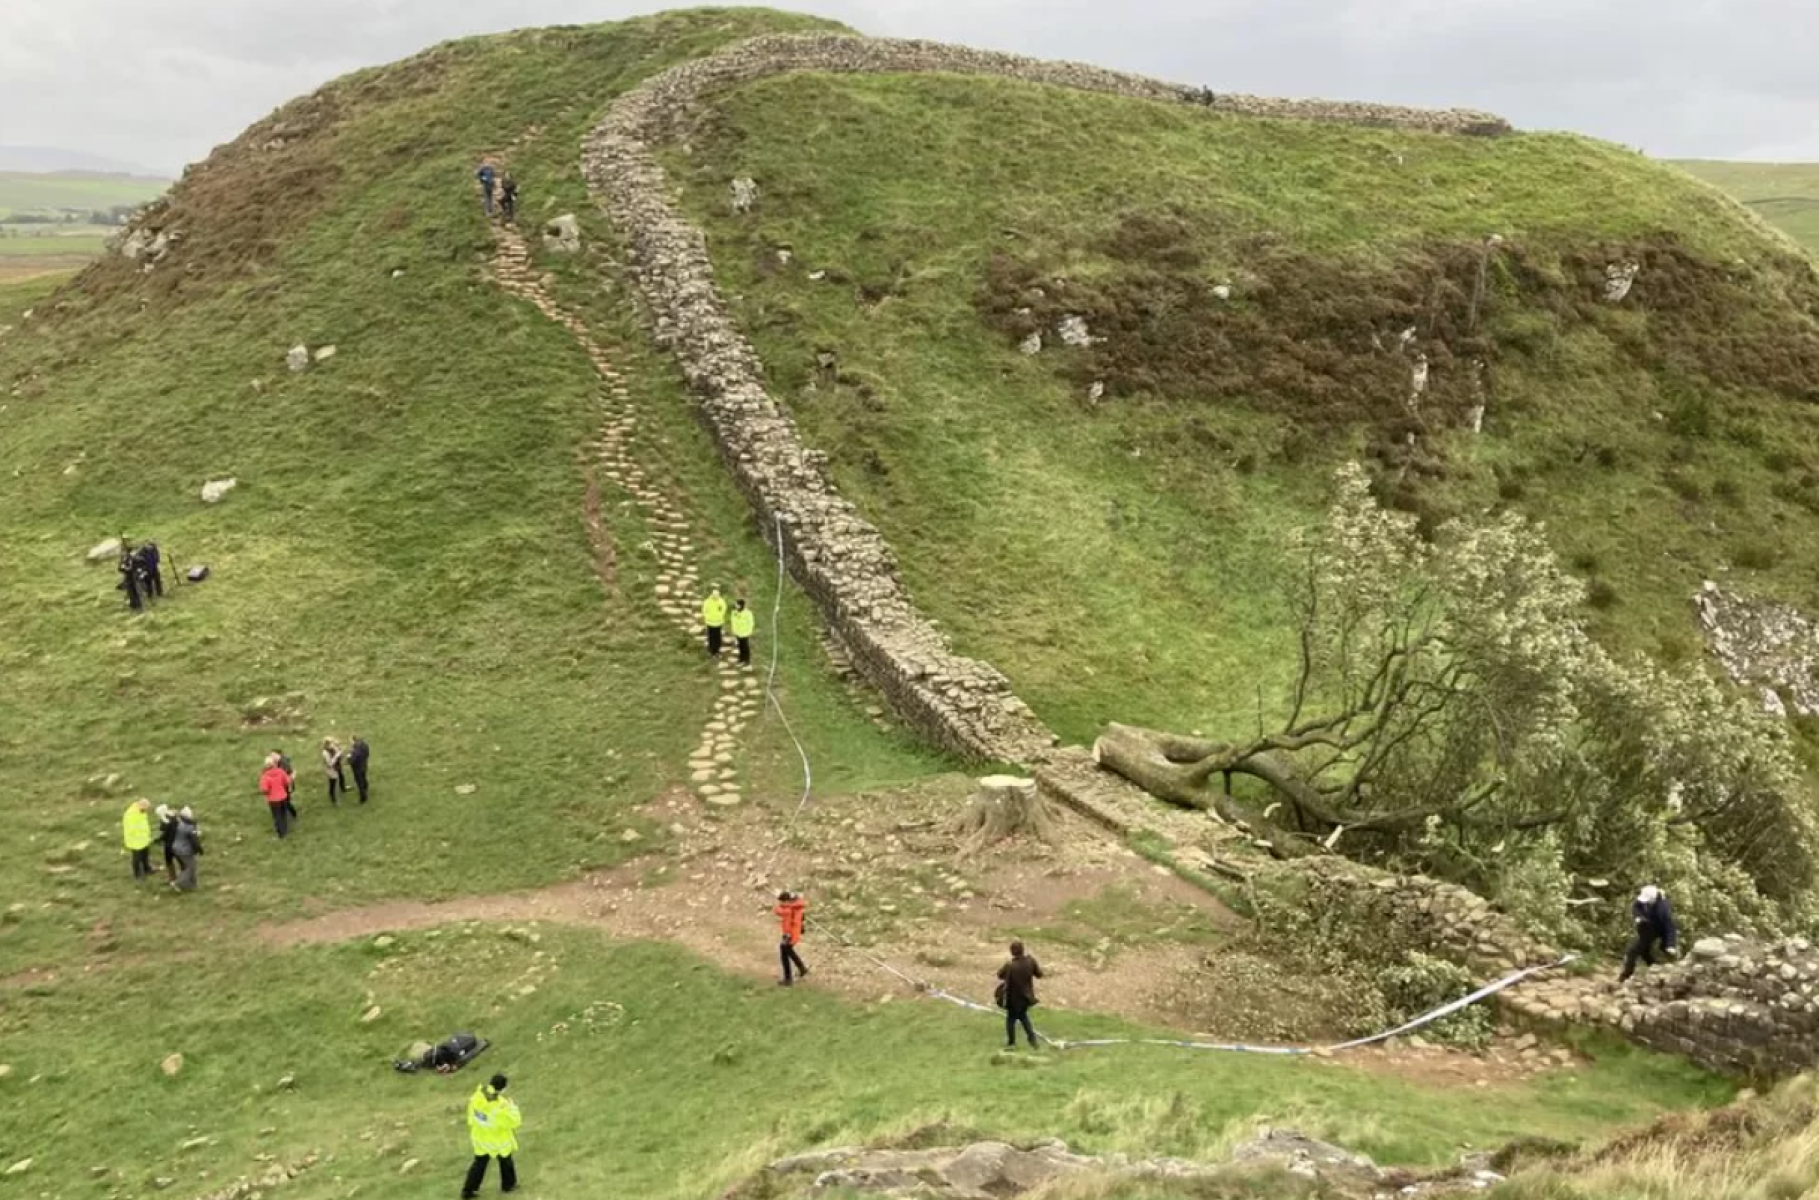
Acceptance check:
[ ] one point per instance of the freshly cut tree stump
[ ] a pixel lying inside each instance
(1003, 806)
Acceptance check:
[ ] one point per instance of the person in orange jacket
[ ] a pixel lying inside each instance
(789, 910)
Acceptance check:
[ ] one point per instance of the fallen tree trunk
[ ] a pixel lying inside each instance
(1176, 769)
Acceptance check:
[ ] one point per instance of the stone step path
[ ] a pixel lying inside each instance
(713, 766)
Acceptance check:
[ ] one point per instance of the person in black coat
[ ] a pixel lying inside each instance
(357, 755)
(1654, 921)
(151, 561)
(167, 832)
(129, 577)
(1017, 994)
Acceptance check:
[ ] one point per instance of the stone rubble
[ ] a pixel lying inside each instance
(1764, 646)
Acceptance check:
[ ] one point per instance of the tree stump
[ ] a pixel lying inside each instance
(1003, 806)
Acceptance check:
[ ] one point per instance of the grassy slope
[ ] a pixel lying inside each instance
(1118, 561)
(404, 556)
(700, 1080)
(1784, 194)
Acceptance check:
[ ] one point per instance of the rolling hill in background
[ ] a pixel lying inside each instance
(474, 531)
(1785, 195)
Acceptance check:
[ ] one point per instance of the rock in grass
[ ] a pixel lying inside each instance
(171, 1066)
(372, 1014)
(215, 490)
(20, 1167)
(298, 358)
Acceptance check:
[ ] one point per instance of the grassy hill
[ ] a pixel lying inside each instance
(422, 549)
(1785, 195)
(1124, 563)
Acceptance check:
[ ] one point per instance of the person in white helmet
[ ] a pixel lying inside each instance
(1654, 921)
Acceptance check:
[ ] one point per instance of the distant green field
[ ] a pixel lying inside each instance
(22, 192)
(1784, 194)
(87, 243)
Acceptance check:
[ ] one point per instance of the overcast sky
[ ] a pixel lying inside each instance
(159, 82)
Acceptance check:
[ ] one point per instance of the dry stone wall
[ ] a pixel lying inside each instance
(961, 704)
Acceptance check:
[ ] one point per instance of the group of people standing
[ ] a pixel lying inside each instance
(177, 831)
(141, 573)
(715, 619)
(278, 780)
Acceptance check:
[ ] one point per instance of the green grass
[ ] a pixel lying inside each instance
(1783, 194)
(28, 192)
(1122, 560)
(404, 556)
(686, 1080)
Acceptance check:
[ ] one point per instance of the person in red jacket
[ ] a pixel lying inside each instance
(789, 910)
(275, 786)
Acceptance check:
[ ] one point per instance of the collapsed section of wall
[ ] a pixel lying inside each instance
(963, 705)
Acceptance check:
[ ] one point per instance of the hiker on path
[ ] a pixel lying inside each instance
(290, 783)
(492, 1125)
(1654, 921)
(789, 910)
(356, 758)
(508, 199)
(136, 834)
(167, 830)
(275, 785)
(487, 181)
(713, 619)
(1017, 995)
(331, 766)
(186, 844)
(745, 623)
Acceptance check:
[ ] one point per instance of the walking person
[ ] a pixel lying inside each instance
(186, 844)
(136, 835)
(745, 623)
(356, 758)
(488, 180)
(275, 786)
(331, 766)
(492, 1126)
(1017, 994)
(508, 199)
(790, 909)
(1654, 921)
(167, 830)
(713, 619)
(290, 783)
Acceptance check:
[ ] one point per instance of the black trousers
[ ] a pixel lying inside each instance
(714, 635)
(281, 817)
(359, 780)
(745, 649)
(142, 863)
(337, 787)
(170, 865)
(786, 951)
(476, 1174)
(1642, 949)
(1014, 1017)
(154, 579)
